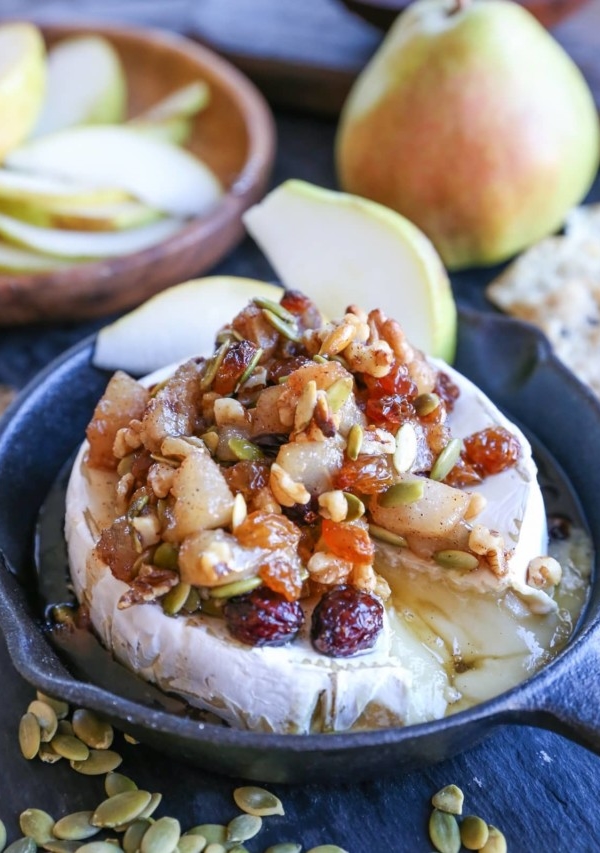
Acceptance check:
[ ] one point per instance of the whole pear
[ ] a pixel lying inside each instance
(474, 123)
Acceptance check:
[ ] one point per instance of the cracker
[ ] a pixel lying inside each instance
(556, 286)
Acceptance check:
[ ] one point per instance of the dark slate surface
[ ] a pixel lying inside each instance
(541, 789)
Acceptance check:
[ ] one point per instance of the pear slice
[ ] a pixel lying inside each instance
(85, 85)
(161, 175)
(81, 244)
(176, 323)
(16, 260)
(22, 81)
(340, 249)
(44, 191)
(176, 130)
(81, 217)
(185, 102)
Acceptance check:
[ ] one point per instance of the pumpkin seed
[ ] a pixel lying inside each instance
(65, 728)
(406, 448)
(117, 783)
(228, 590)
(211, 440)
(213, 833)
(100, 761)
(215, 848)
(46, 717)
(243, 827)
(446, 460)
(130, 739)
(97, 847)
(284, 847)
(257, 801)
(320, 359)
(356, 508)
(166, 557)
(239, 848)
(245, 450)
(460, 560)
(56, 846)
(120, 809)
(402, 494)
(387, 536)
(29, 735)
(75, 827)
(425, 404)
(212, 366)
(449, 799)
(2, 835)
(36, 824)
(252, 365)
(155, 800)
(212, 607)
(190, 844)
(162, 836)
(91, 729)
(22, 845)
(354, 441)
(474, 832)
(287, 329)
(327, 848)
(239, 512)
(47, 754)
(496, 842)
(228, 334)
(70, 747)
(338, 393)
(444, 832)
(175, 599)
(134, 834)
(192, 602)
(275, 307)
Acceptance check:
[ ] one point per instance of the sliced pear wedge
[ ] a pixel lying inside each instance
(82, 217)
(22, 81)
(185, 102)
(176, 323)
(16, 260)
(159, 174)
(340, 249)
(176, 130)
(80, 244)
(86, 84)
(43, 191)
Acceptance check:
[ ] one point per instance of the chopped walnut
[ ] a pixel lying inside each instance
(286, 490)
(374, 359)
(489, 544)
(327, 569)
(544, 572)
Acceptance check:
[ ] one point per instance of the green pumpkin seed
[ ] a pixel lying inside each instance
(212, 366)
(97, 847)
(75, 827)
(449, 799)
(462, 561)
(257, 801)
(91, 729)
(120, 809)
(402, 494)
(496, 842)
(192, 602)
(444, 832)
(134, 834)
(56, 846)
(327, 848)
(36, 824)
(116, 783)
(211, 440)
(100, 761)
(47, 754)
(425, 404)
(162, 836)
(130, 739)
(61, 709)
(212, 607)
(406, 448)
(190, 844)
(239, 848)
(252, 365)
(65, 728)
(166, 556)
(387, 536)
(155, 801)
(474, 832)
(213, 833)
(356, 508)
(320, 359)
(70, 747)
(228, 590)
(176, 598)
(46, 717)
(215, 848)
(29, 735)
(22, 845)
(275, 307)
(2, 835)
(287, 329)
(243, 827)
(446, 460)
(284, 847)
(354, 441)
(244, 450)
(239, 512)
(338, 393)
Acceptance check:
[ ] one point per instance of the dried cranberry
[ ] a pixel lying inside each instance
(492, 450)
(345, 621)
(263, 618)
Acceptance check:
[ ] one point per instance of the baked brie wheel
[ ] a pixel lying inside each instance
(224, 520)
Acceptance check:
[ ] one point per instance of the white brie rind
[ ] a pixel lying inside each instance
(292, 688)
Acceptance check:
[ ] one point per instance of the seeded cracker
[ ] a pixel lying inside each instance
(556, 286)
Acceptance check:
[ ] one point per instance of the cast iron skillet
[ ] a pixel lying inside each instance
(513, 364)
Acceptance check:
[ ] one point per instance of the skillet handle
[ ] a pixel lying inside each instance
(569, 703)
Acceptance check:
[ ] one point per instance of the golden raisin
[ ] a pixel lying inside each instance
(267, 530)
(348, 541)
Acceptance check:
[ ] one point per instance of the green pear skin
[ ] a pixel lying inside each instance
(473, 123)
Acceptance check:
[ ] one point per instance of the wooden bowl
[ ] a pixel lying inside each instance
(383, 13)
(234, 135)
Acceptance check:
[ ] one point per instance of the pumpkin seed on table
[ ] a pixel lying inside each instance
(59, 846)
(37, 824)
(215, 848)
(243, 827)
(444, 832)
(70, 747)
(120, 809)
(46, 717)
(449, 799)
(93, 731)
(212, 832)
(99, 762)
(188, 844)
(29, 735)
(284, 847)
(117, 783)
(327, 848)
(134, 834)
(22, 845)
(474, 832)
(61, 709)
(496, 842)
(162, 836)
(155, 800)
(98, 847)
(75, 826)
(257, 801)
(47, 754)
